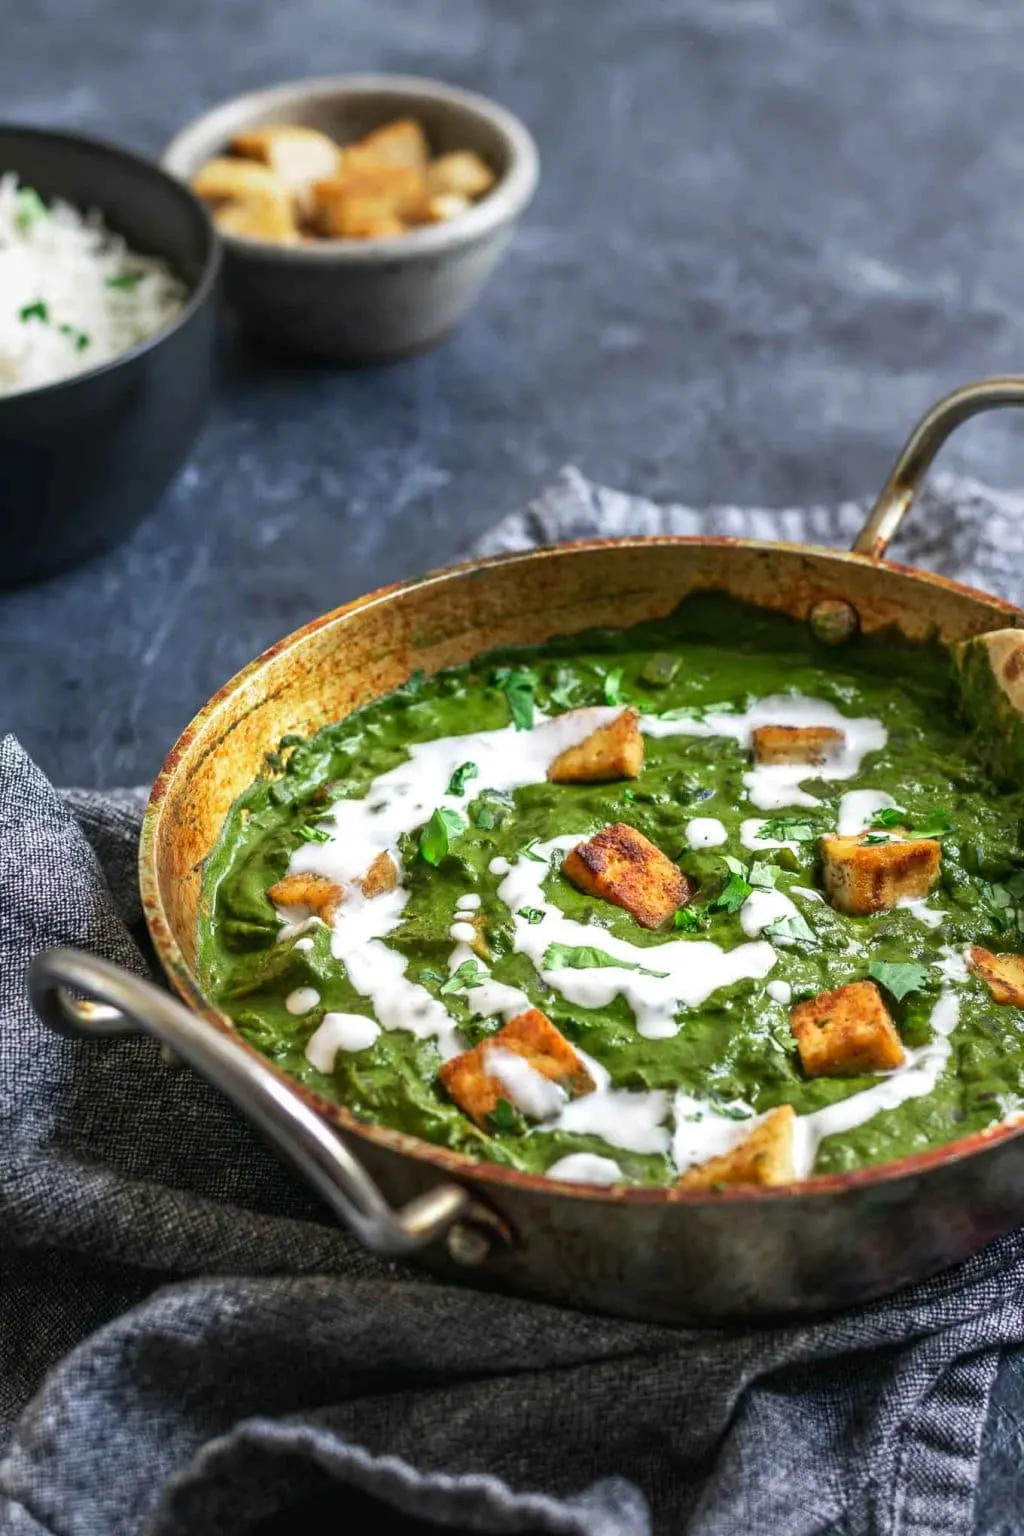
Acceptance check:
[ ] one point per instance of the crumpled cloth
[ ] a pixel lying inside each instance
(189, 1346)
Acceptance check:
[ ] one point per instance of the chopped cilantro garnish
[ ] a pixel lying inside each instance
(528, 853)
(733, 1111)
(127, 280)
(517, 684)
(889, 816)
(457, 782)
(789, 829)
(29, 208)
(583, 957)
(611, 686)
(429, 974)
(36, 311)
(935, 823)
(688, 920)
(999, 905)
(531, 914)
(312, 834)
(503, 1118)
(563, 689)
(763, 877)
(874, 838)
(793, 927)
(469, 974)
(82, 340)
(732, 895)
(898, 977)
(438, 832)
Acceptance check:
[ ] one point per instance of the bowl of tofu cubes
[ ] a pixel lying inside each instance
(361, 216)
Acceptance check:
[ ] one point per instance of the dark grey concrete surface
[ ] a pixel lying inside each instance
(768, 233)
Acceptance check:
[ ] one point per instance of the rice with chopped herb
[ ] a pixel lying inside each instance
(72, 294)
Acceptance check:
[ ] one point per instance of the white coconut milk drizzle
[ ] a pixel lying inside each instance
(401, 800)
(339, 1032)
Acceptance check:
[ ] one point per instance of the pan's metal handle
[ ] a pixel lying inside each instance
(123, 1004)
(923, 444)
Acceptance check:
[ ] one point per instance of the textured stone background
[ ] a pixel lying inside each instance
(768, 233)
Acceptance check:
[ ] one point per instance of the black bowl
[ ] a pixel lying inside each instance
(81, 461)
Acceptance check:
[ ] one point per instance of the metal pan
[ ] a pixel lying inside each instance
(736, 1256)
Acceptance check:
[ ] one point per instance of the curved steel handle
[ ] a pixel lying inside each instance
(923, 444)
(127, 1004)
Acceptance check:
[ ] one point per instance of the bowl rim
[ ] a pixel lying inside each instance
(500, 206)
(199, 295)
(479, 1173)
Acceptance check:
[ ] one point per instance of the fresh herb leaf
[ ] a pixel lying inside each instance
(999, 905)
(517, 684)
(935, 823)
(457, 782)
(898, 977)
(82, 340)
(36, 311)
(789, 829)
(685, 712)
(582, 957)
(658, 671)
(503, 1119)
(733, 1111)
(889, 816)
(490, 811)
(734, 866)
(763, 877)
(527, 852)
(29, 208)
(312, 834)
(127, 280)
(629, 794)
(532, 915)
(873, 839)
(732, 895)
(563, 689)
(469, 974)
(688, 920)
(436, 836)
(793, 927)
(611, 686)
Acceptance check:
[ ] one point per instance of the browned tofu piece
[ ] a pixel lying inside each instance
(863, 876)
(380, 194)
(381, 877)
(846, 1032)
(613, 751)
(300, 156)
(811, 744)
(530, 1035)
(402, 142)
(478, 943)
(1002, 974)
(258, 218)
(314, 892)
(763, 1157)
(442, 206)
(226, 181)
(620, 865)
(463, 172)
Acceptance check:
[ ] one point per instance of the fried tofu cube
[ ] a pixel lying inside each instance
(227, 181)
(530, 1036)
(402, 142)
(846, 1032)
(258, 218)
(763, 1157)
(463, 172)
(381, 877)
(300, 156)
(346, 206)
(620, 865)
(863, 876)
(811, 744)
(314, 892)
(1002, 974)
(443, 206)
(613, 751)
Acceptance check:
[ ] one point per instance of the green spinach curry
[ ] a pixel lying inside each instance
(684, 1030)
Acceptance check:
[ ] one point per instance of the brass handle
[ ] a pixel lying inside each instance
(923, 444)
(126, 1004)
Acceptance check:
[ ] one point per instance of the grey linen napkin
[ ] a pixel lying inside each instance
(188, 1345)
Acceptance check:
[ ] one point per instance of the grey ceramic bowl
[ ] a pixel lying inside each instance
(369, 300)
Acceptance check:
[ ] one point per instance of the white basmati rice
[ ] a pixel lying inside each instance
(72, 294)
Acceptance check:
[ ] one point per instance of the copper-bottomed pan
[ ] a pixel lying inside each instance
(739, 1255)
